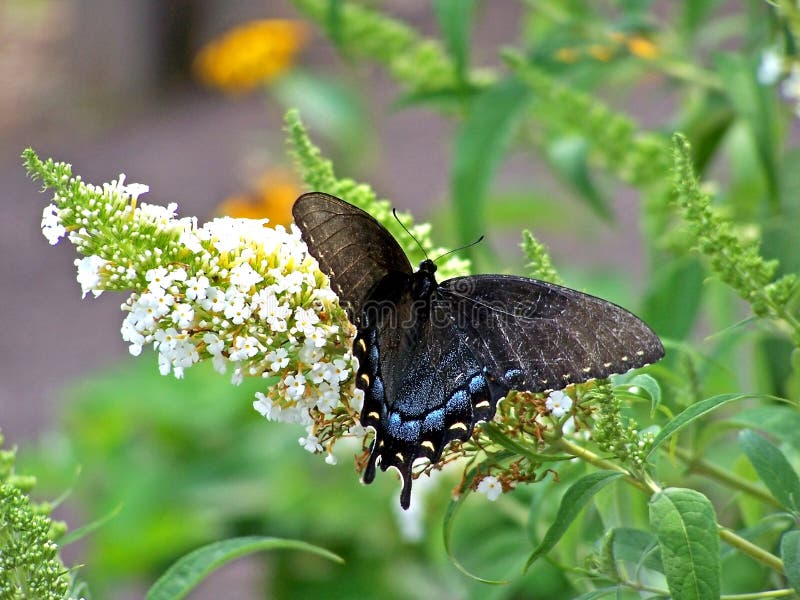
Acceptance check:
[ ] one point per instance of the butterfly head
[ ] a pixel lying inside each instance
(427, 266)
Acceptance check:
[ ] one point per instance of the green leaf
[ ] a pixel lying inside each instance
(754, 105)
(81, 532)
(782, 422)
(694, 15)
(773, 468)
(191, 569)
(494, 434)
(333, 22)
(686, 527)
(790, 555)
(454, 18)
(706, 121)
(569, 156)
(645, 382)
(480, 144)
(695, 411)
(329, 107)
(575, 498)
(637, 547)
(673, 298)
(446, 99)
(601, 593)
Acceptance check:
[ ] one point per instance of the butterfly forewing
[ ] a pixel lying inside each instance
(352, 248)
(536, 336)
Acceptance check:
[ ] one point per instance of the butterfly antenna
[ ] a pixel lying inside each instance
(476, 242)
(394, 212)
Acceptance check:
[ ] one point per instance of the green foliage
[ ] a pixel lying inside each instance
(540, 266)
(736, 260)
(191, 569)
(420, 64)
(480, 143)
(790, 553)
(773, 468)
(638, 158)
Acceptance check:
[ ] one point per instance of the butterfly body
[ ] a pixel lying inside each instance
(435, 358)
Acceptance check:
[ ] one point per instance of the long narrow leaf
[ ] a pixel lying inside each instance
(790, 555)
(694, 412)
(480, 144)
(773, 468)
(455, 18)
(754, 105)
(81, 532)
(449, 520)
(575, 498)
(191, 569)
(498, 438)
(569, 156)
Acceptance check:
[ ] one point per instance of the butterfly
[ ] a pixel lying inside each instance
(436, 357)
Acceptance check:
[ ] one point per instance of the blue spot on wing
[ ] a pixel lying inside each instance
(377, 389)
(434, 421)
(458, 402)
(478, 385)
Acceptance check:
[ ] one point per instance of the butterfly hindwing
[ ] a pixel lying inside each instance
(423, 387)
(536, 336)
(352, 248)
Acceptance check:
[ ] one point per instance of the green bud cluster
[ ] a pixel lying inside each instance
(613, 433)
(637, 158)
(540, 266)
(30, 566)
(417, 63)
(733, 257)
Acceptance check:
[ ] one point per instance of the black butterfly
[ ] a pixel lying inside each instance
(435, 358)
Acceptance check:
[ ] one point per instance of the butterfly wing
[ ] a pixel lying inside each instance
(423, 388)
(537, 336)
(352, 248)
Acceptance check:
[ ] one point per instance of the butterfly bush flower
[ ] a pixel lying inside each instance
(558, 403)
(491, 487)
(246, 296)
(770, 67)
(237, 292)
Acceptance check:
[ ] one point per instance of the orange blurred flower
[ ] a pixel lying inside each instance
(642, 47)
(273, 197)
(251, 54)
(601, 53)
(567, 55)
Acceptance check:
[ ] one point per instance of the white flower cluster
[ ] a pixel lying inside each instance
(234, 291)
(773, 67)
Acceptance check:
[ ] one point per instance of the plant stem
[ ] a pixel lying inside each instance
(698, 465)
(749, 548)
(757, 595)
(594, 459)
(649, 487)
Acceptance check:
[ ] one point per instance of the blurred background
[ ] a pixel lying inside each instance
(117, 86)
